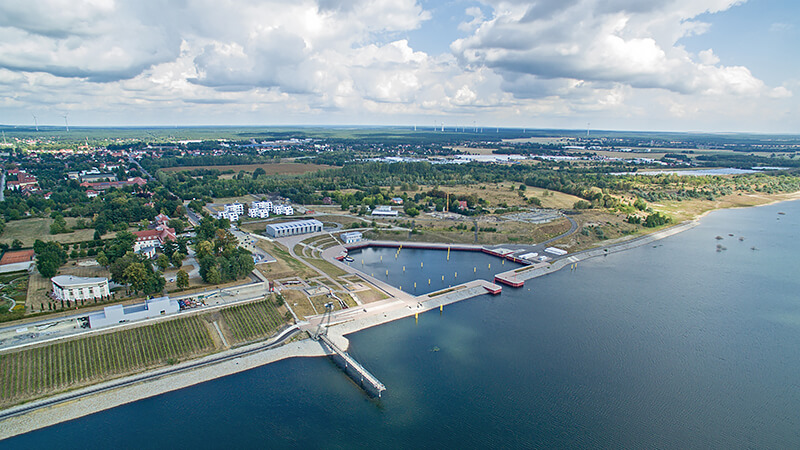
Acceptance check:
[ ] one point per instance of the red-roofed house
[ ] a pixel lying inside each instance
(462, 205)
(18, 260)
(92, 194)
(103, 185)
(162, 219)
(152, 238)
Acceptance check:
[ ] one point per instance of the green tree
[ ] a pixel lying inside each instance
(162, 261)
(182, 279)
(259, 172)
(59, 225)
(16, 244)
(49, 257)
(178, 224)
(177, 259)
(136, 276)
(102, 259)
(214, 276)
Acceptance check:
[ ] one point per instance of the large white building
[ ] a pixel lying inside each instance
(115, 314)
(293, 228)
(384, 211)
(351, 237)
(72, 288)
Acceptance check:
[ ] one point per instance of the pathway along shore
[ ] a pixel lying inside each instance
(82, 402)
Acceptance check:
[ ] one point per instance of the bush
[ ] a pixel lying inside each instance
(581, 204)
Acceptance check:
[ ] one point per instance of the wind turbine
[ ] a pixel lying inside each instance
(66, 123)
(35, 122)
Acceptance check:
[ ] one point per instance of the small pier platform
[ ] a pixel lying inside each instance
(356, 371)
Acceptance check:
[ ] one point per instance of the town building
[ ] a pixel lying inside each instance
(397, 201)
(152, 238)
(351, 237)
(384, 211)
(72, 288)
(294, 228)
(103, 185)
(114, 314)
(92, 194)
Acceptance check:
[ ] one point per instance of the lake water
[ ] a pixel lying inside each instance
(671, 345)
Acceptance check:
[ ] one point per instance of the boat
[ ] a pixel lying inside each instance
(349, 259)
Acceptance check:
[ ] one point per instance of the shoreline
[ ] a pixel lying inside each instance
(382, 312)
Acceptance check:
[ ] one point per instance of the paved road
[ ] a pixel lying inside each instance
(573, 228)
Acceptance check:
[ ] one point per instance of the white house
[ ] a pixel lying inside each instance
(72, 288)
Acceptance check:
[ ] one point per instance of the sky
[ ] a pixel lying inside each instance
(660, 65)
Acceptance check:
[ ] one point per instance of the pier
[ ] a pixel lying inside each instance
(351, 367)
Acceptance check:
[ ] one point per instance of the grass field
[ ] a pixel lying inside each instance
(253, 320)
(29, 230)
(45, 370)
(285, 265)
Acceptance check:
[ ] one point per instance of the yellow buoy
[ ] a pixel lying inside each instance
(504, 262)
(448, 253)
(442, 277)
(381, 257)
(429, 281)
(490, 265)
(420, 264)
(415, 285)
(441, 308)
(387, 272)
(404, 268)
(456, 275)
(474, 270)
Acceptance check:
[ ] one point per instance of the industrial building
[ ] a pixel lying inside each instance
(115, 314)
(293, 228)
(351, 237)
(72, 288)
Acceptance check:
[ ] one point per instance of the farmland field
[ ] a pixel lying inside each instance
(253, 320)
(46, 370)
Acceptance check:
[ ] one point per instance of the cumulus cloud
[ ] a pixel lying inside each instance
(326, 61)
(629, 42)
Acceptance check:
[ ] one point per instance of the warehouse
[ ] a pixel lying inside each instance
(293, 228)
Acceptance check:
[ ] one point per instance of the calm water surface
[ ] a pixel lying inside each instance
(672, 345)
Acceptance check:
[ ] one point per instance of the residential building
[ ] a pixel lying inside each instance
(152, 238)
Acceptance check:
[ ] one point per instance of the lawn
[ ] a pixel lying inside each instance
(29, 230)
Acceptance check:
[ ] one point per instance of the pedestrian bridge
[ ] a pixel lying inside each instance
(351, 367)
